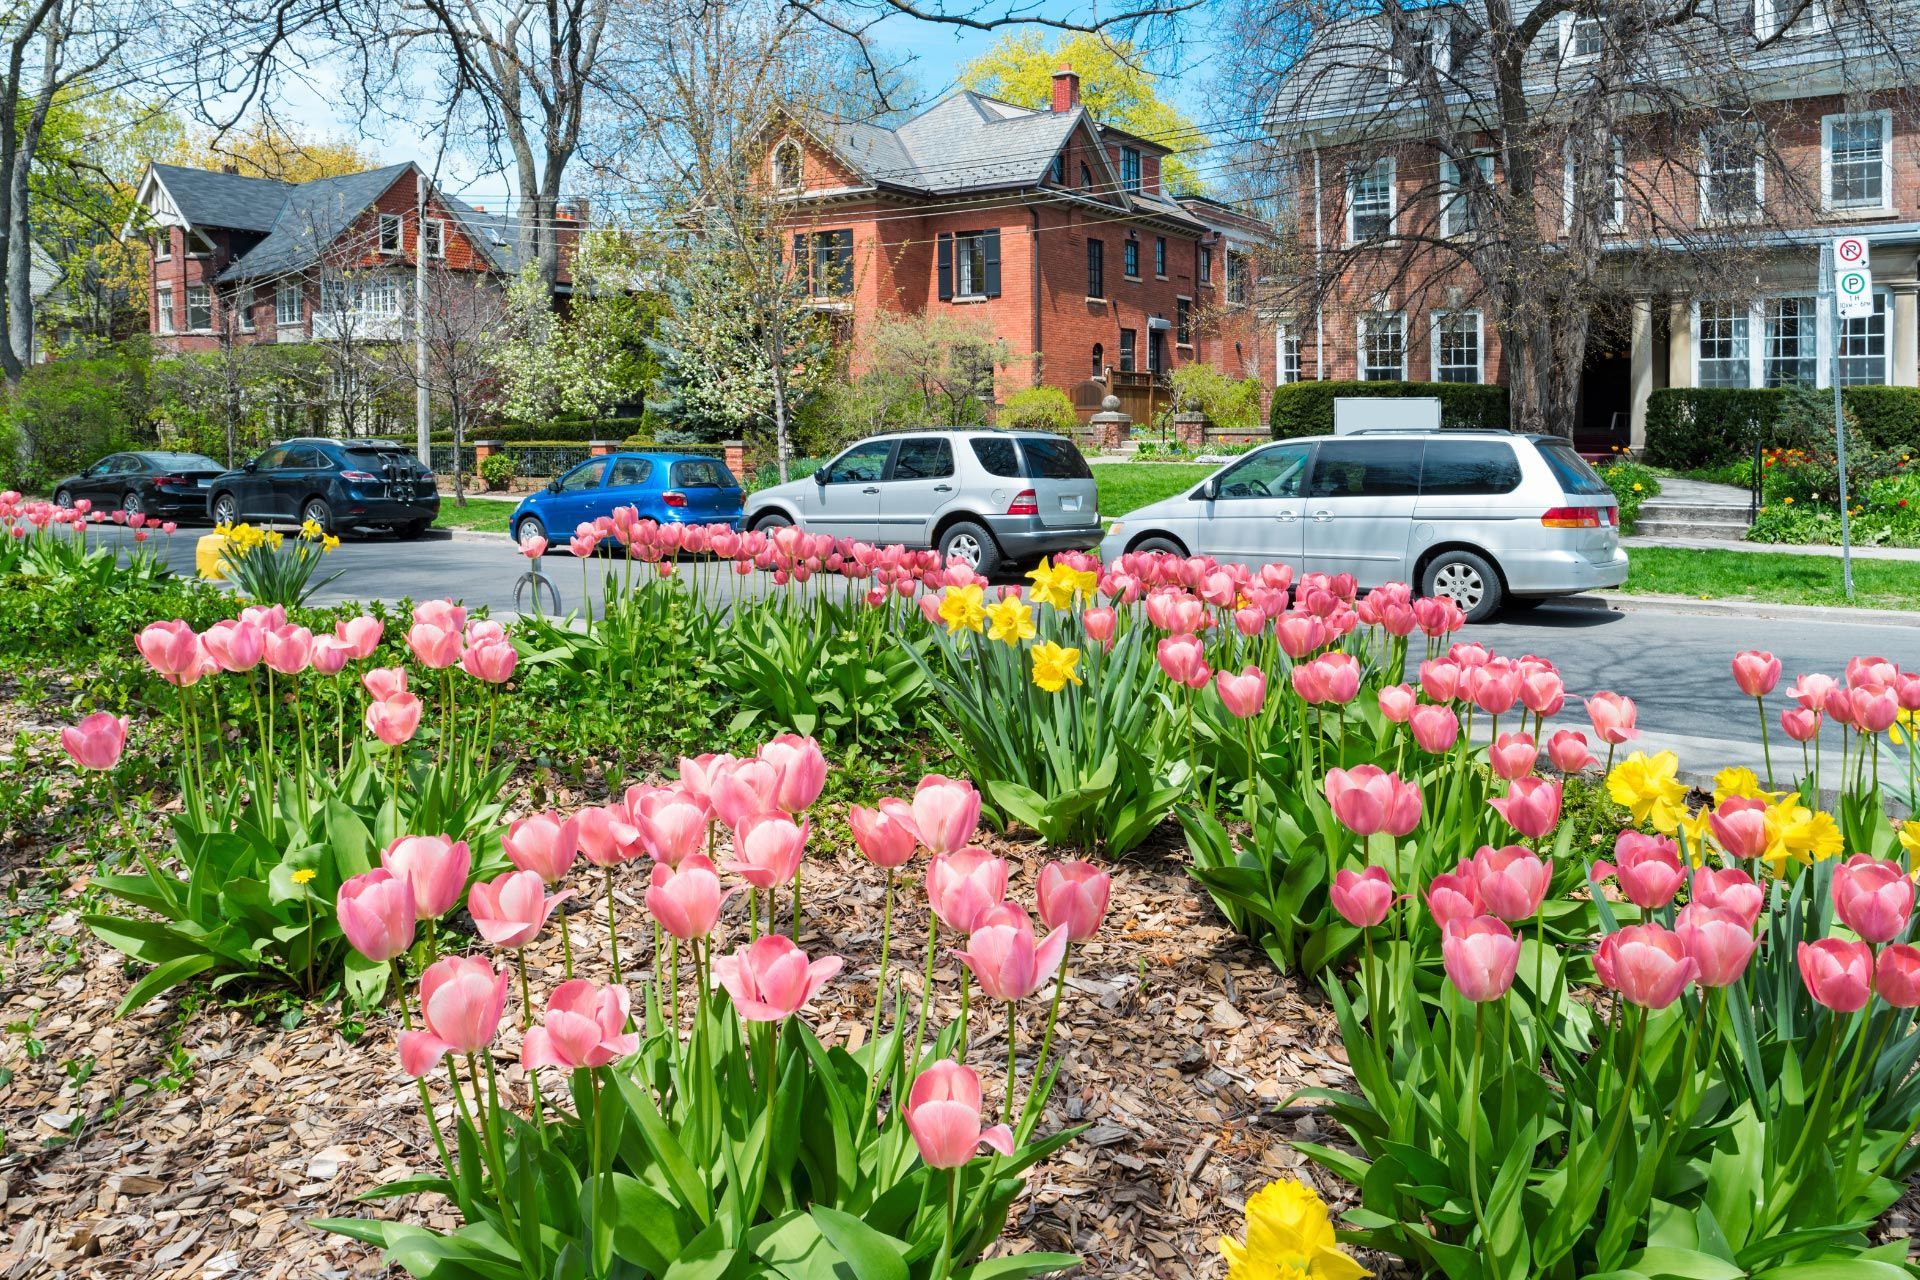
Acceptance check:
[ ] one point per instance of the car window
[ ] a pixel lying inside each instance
(701, 474)
(275, 457)
(185, 462)
(1366, 469)
(1570, 469)
(923, 458)
(863, 462)
(105, 466)
(304, 457)
(585, 476)
(630, 471)
(128, 464)
(1469, 467)
(1053, 459)
(998, 456)
(1270, 473)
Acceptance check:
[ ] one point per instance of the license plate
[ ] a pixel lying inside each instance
(1070, 502)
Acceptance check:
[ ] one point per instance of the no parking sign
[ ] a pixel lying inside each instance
(1852, 277)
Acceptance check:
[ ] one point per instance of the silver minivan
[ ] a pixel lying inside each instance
(988, 498)
(1487, 517)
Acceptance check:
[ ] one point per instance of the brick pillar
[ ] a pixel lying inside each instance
(484, 449)
(1189, 429)
(601, 448)
(736, 458)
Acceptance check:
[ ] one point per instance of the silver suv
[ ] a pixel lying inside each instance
(984, 497)
(1486, 517)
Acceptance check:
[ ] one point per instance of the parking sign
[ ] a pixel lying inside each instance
(1852, 277)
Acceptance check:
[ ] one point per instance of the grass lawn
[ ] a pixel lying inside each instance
(1783, 579)
(486, 515)
(1125, 486)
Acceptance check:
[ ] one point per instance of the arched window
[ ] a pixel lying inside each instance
(786, 167)
(1086, 178)
(1099, 360)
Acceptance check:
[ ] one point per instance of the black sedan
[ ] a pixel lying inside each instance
(161, 486)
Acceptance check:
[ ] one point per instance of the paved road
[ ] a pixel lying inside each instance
(1674, 665)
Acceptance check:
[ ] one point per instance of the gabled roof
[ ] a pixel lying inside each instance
(312, 216)
(210, 198)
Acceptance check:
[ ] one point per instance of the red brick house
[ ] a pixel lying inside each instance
(254, 260)
(1052, 228)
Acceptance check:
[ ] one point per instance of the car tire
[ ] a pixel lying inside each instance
(225, 509)
(768, 521)
(529, 527)
(1161, 546)
(132, 503)
(973, 545)
(320, 512)
(63, 497)
(411, 530)
(1469, 578)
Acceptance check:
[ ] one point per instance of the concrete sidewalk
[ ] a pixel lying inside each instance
(1789, 549)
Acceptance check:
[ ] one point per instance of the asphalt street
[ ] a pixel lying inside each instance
(1675, 666)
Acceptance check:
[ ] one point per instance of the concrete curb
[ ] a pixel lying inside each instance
(475, 535)
(1759, 610)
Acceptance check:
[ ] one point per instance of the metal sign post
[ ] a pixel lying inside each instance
(1848, 273)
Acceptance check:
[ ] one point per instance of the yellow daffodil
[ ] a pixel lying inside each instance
(1289, 1237)
(329, 543)
(1903, 724)
(1694, 834)
(1009, 620)
(1802, 834)
(1058, 584)
(1910, 841)
(311, 530)
(275, 538)
(304, 875)
(1650, 789)
(1054, 666)
(962, 609)
(1744, 783)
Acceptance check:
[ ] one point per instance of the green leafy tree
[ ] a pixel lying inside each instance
(595, 358)
(1114, 85)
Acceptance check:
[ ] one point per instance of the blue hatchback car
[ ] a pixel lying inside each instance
(671, 488)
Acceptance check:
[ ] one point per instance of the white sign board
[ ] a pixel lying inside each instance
(1852, 278)
(1385, 413)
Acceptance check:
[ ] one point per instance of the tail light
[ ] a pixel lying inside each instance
(161, 482)
(674, 498)
(1613, 516)
(1025, 503)
(359, 477)
(1572, 518)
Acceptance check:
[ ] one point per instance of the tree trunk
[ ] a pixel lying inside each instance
(459, 460)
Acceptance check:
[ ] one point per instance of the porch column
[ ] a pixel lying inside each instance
(1679, 342)
(1641, 369)
(1906, 333)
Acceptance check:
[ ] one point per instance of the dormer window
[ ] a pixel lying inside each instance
(1130, 169)
(390, 233)
(788, 173)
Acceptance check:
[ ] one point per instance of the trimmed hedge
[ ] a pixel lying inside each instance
(1306, 408)
(1696, 427)
(569, 430)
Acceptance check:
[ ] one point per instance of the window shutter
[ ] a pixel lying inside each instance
(990, 241)
(945, 255)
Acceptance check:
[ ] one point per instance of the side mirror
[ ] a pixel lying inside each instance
(1210, 490)
(250, 466)
(820, 477)
(553, 485)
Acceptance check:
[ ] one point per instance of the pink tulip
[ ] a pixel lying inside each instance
(1568, 751)
(394, 720)
(1838, 974)
(1872, 897)
(444, 614)
(885, 833)
(1073, 896)
(382, 683)
(362, 634)
(1005, 957)
(1362, 898)
(461, 999)
(511, 909)
(800, 771)
(1330, 679)
(435, 869)
(1756, 672)
(1494, 687)
(699, 773)
(173, 651)
(585, 1025)
(1245, 693)
(1367, 800)
(1099, 625)
(608, 836)
(743, 789)
(963, 886)
(1480, 955)
(672, 824)
(1543, 692)
(543, 844)
(1184, 660)
(1811, 691)
(1440, 679)
(1896, 975)
(289, 649)
(942, 1112)
(1730, 890)
(1512, 881)
(1613, 718)
(946, 813)
(1398, 703)
(375, 910)
(492, 662)
(533, 548)
(1719, 942)
(686, 898)
(1455, 895)
(771, 979)
(433, 646)
(331, 655)
(1300, 634)
(1800, 723)
(1435, 728)
(1531, 807)
(1740, 826)
(97, 741)
(1873, 710)
(1513, 755)
(767, 849)
(1648, 868)
(1646, 963)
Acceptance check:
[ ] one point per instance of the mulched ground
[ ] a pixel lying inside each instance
(197, 1142)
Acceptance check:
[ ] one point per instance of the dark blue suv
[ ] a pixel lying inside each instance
(337, 484)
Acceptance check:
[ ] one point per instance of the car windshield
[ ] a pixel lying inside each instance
(1049, 459)
(185, 462)
(1570, 469)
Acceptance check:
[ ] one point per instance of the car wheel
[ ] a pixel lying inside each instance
(226, 509)
(1467, 577)
(63, 497)
(317, 510)
(1160, 546)
(972, 546)
(133, 504)
(411, 529)
(529, 527)
(768, 521)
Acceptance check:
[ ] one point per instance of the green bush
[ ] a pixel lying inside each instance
(1038, 409)
(63, 415)
(1306, 408)
(1230, 404)
(557, 430)
(1695, 427)
(1889, 417)
(1632, 484)
(496, 470)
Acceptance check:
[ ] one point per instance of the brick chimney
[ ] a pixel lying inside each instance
(1066, 89)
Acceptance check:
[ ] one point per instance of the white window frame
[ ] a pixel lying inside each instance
(393, 220)
(1827, 123)
(1286, 355)
(1764, 354)
(1883, 311)
(206, 289)
(163, 306)
(1709, 214)
(1434, 322)
(1826, 331)
(1617, 213)
(163, 245)
(243, 306)
(1747, 317)
(787, 146)
(200, 238)
(1361, 367)
(967, 245)
(1767, 21)
(288, 289)
(436, 238)
(1453, 200)
(1356, 178)
(1571, 25)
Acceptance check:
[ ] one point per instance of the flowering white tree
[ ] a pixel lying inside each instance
(586, 362)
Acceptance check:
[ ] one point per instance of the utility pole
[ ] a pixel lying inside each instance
(422, 418)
